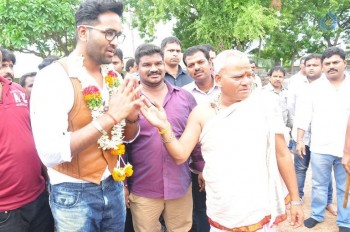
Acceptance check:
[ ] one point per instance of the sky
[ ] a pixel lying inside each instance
(29, 63)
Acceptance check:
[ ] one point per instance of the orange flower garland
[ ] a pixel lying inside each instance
(93, 98)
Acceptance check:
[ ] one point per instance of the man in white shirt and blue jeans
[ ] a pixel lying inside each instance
(68, 131)
(327, 108)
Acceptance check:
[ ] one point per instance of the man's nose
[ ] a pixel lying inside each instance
(114, 42)
(154, 67)
(196, 66)
(7, 69)
(246, 80)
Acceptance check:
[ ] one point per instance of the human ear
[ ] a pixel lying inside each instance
(218, 80)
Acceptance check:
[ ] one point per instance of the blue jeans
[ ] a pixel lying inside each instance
(321, 165)
(301, 165)
(200, 217)
(88, 206)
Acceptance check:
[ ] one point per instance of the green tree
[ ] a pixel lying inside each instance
(300, 30)
(41, 27)
(222, 23)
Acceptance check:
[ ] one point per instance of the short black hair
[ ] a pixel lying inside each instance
(168, 40)
(129, 64)
(46, 61)
(253, 62)
(331, 51)
(277, 68)
(8, 56)
(22, 80)
(147, 50)
(312, 56)
(90, 10)
(208, 47)
(118, 52)
(192, 50)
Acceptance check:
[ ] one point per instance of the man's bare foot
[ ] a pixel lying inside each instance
(332, 209)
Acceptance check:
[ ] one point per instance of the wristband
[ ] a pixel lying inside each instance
(165, 130)
(99, 127)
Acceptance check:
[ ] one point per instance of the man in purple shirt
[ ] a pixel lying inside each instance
(159, 186)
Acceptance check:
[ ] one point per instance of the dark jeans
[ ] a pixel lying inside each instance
(200, 219)
(35, 216)
(128, 222)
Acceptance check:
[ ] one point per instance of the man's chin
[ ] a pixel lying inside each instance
(106, 61)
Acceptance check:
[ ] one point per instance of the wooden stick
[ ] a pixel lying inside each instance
(347, 189)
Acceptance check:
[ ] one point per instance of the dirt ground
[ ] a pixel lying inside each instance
(328, 225)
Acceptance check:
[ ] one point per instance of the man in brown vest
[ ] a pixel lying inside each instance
(81, 115)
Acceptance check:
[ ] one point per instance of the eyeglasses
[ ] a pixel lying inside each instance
(110, 34)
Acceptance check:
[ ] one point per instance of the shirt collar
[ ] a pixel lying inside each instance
(195, 86)
(171, 87)
(179, 72)
(269, 87)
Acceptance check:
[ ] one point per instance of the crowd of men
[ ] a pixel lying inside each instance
(211, 148)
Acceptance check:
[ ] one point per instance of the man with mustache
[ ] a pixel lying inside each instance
(275, 88)
(257, 79)
(8, 61)
(27, 81)
(24, 202)
(327, 106)
(159, 186)
(118, 61)
(171, 48)
(203, 88)
(244, 154)
(296, 91)
(76, 106)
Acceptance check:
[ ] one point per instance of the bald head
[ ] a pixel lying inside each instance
(228, 57)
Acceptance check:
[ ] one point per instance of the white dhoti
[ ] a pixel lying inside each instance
(243, 184)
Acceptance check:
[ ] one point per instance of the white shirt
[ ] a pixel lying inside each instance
(327, 109)
(257, 82)
(295, 78)
(201, 96)
(280, 98)
(297, 89)
(51, 101)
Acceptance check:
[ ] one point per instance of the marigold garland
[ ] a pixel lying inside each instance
(94, 100)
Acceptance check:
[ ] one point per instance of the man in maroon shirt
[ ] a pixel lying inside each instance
(23, 200)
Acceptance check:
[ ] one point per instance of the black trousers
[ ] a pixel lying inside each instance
(35, 216)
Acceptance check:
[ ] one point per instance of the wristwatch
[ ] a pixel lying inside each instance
(297, 203)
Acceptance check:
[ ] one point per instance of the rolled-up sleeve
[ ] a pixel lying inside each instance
(51, 100)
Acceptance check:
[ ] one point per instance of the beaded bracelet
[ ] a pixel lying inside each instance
(170, 139)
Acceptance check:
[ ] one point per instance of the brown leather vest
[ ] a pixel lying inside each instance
(89, 164)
